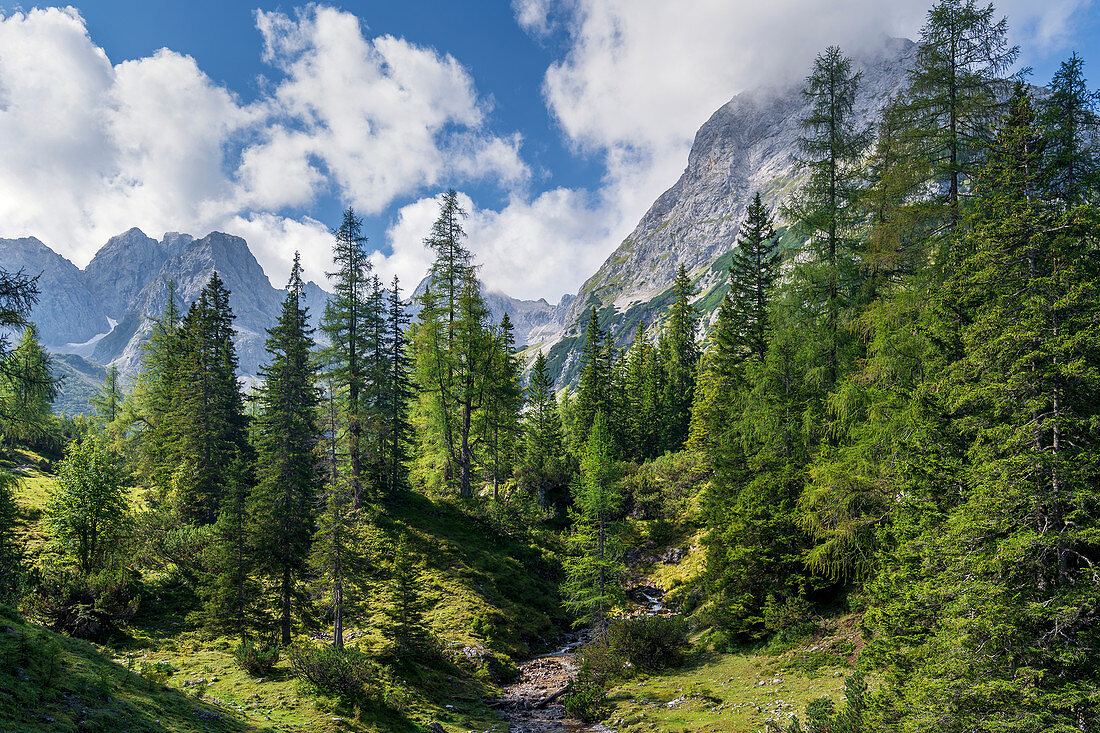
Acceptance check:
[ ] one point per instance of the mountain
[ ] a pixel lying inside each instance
(747, 145)
(102, 314)
(67, 312)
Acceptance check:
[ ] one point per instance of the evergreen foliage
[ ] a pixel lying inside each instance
(287, 470)
(593, 585)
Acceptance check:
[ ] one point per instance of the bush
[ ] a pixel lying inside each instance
(600, 662)
(650, 642)
(257, 660)
(331, 670)
(585, 699)
(156, 673)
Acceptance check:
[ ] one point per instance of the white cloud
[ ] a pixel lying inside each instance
(639, 77)
(89, 148)
(531, 248)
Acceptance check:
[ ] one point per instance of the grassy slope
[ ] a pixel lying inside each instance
(755, 689)
(488, 588)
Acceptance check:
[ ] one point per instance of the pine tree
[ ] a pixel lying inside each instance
(593, 584)
(405, 625)
(825, 206)
(347, 323)
(286, 433)
(228, 587)
(544, 465)
(207, 423)
(680, 358)
(150, 404)
(753, 273)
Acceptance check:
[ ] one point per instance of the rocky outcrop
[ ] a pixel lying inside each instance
(66, 312)
(748, 145)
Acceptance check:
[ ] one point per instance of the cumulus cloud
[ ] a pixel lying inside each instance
(639, 77)
(89, 148)
(532, 247)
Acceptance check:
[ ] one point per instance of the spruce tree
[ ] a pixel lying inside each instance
(404, 614)
(347, 323)
(753, 274)
(1070, 122)
(1010, 567)
(593, 573)
(206, 420)
(594, 383)
(286, 433)
(397, 390)
(503, 402)
(544, 465)
(680, 358)
(643, 399)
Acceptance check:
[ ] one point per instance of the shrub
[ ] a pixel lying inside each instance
(650, 642)
(156, 673)
(600, 662)
(342, 672)
(257, 660)
(585, 699)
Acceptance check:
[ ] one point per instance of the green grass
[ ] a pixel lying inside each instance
(720, 692)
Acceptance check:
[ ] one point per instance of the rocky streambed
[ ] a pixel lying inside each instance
(533, 702)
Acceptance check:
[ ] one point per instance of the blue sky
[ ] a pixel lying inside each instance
(559, 122)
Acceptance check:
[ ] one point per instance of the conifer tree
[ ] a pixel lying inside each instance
(397, 390)
(753, 274)
(953, 100)
(347, 323)
(680, 358)
(207, 421)
(108, 402)
(405, 625)
(643, 398)
(150, 403)
(286, 432)
(503, 402)
(453, 349)
(1011, 565)
(29, 390)
(544, 465)
(18, 294)
(824, 208)
(594, 383)
(593, 585)
(1070, 122)
(229, 589)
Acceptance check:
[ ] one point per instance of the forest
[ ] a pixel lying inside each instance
(896, 421)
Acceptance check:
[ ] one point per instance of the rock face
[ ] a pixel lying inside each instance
(747, 145)
(103, 312)
(67, 312)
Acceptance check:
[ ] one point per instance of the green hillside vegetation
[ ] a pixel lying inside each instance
(862, 498)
